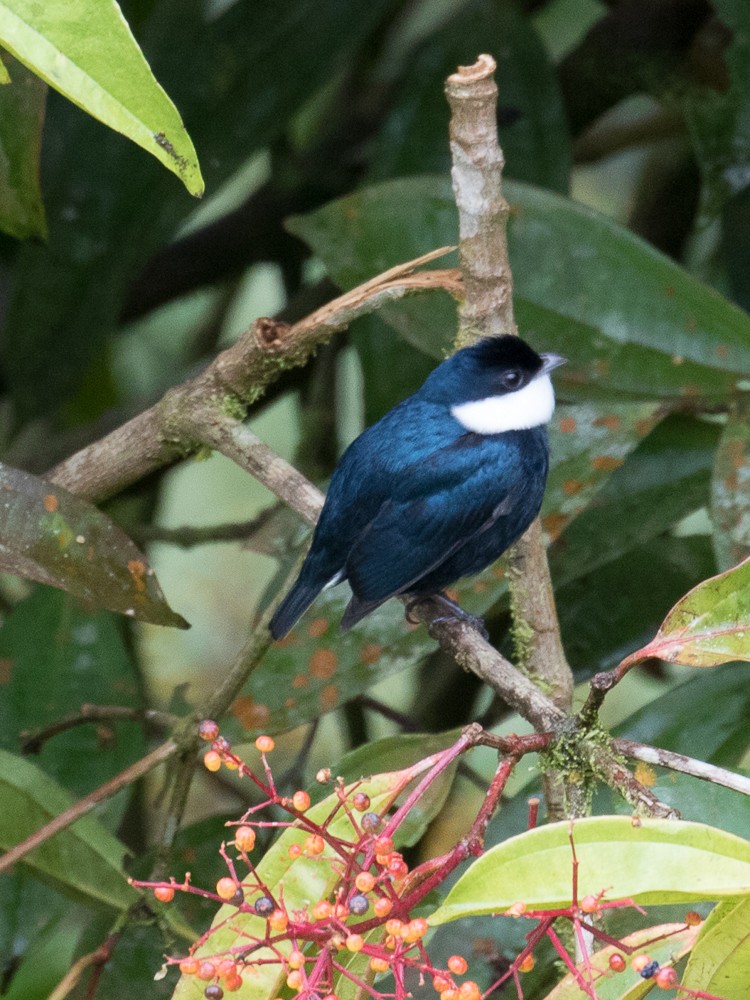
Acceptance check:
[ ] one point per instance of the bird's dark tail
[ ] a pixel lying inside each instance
(294, 605)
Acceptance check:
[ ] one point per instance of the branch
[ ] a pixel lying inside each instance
(236, 378)
(686, 765)
(487, 310)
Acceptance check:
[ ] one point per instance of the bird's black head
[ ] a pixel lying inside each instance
(494, 366)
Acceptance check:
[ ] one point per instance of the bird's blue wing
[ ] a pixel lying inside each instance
(430, 516)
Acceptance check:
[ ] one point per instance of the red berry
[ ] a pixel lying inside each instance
(296, 959)
(322, 910)
(361, 802)
(355, 942)
(278, 920)
(589, 904)
(692, 919)
(233, 983)
(226, 967)
(265, 744)
(527, 965)
(364, 881)
(189, 966)
(617, 962)
(208, 730)
(315, 844)
(383, 845)
(244, 838)
(666, 978)
(379, 964)
(164, 893)
(458, 965)
(382, 907)
(301, 801)
(206, 970)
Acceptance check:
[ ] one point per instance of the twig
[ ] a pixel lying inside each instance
(65, 819)
(188, 535)
(32, 741)
(686, 765)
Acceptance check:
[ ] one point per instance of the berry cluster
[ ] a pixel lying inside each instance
(367, 913)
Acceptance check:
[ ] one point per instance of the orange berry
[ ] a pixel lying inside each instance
(616, 962)
(294, 980)
(397, 867)
(189, 966)
(278, 921)
(361, 802)
(231, 764)
(206, 971)
(458, 965)
(383, 845)
(355, 942)
(382, 906)
(322, 910)
(393, 926)
(265, 744)
(469, 991)
(296, 959)
(315, 844)
(164, 893)
(391, 942)
(379, 964)
(415, 930)
(226, 967)
(208, 730)
(639, 962)
(666, 978)
(516, 910)
(382, 859)
(244, 838)
(441, 983)
(226, 888)
(295, 850)
(301, 801)
(589, 904)
(233, 983)
(451, 994)
(692, 919)
(212, 760)
(527, 965)
(364, 881)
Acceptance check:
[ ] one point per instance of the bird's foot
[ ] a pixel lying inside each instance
(454, 612)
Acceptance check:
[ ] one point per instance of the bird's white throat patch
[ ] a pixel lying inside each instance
(515, 411)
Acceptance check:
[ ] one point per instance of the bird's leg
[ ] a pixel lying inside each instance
(454, 612)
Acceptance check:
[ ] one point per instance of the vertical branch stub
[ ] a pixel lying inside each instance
(487, 309)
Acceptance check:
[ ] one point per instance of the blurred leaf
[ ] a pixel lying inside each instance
(84, 860)
(391, 368)
(305, 881)
(730, 487)
(720, 962)
(54, 537)
(675, 338)
(55, 658)
(533, 128)
(85, 49)
(663, 480)
(22, 103)
(665, 944)
(648, 579)
(658, 861)
(709, 626)
(238, 77)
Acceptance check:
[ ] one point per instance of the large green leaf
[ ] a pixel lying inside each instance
(730, 496)
(84, 860)
(22, 103)
(85, 49)
(657, 861)
(720, 961)
(709, 626)
(629, 319)
(52, 536)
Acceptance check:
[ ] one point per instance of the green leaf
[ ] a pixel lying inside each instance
(22, 104)
(646, 860)
(665, 944)
(84, 860)
(56, 658)
(709, 626)
(85, 49)
(720, 962)
(303, 880)
(54, 537)
(675, 338)
(730, 497)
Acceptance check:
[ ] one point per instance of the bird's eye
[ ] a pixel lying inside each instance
(512, 379)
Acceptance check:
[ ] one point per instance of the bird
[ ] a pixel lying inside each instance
(438, 488)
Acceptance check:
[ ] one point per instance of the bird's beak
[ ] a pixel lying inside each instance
(550, 361)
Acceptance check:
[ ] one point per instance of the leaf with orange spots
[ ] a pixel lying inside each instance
(730, 487)
(56, 538)
(633, 323)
